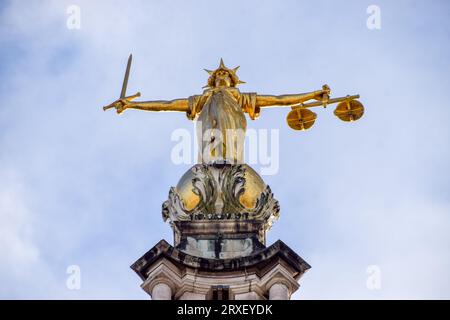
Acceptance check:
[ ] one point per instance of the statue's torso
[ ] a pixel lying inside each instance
(221, 124)
(221, 109)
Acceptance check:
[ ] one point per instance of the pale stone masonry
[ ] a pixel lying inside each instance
(269, 273)
(220, 215)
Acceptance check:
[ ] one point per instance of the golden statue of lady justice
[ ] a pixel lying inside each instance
(220, 111)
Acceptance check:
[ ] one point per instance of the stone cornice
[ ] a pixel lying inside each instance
(259, 260)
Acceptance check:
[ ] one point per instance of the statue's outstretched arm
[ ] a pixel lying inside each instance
(291, 99)
(159, 105)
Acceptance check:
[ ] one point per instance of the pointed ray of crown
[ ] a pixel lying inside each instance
(232, 72)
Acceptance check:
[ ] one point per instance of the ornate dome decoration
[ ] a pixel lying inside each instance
(221, 192)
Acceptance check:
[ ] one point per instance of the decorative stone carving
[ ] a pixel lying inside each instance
(221, 192)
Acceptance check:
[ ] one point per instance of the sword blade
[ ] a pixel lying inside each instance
(125, 79)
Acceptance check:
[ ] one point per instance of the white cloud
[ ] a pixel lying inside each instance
(17, 247)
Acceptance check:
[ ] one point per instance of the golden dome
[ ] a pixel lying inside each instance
(185, 190)
(252, 186)
(221, 192)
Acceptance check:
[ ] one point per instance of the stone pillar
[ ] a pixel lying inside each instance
(278, 291)
(161, 291)
(192, 296)
(247, 296)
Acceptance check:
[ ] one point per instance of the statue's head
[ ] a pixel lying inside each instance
(223, 77)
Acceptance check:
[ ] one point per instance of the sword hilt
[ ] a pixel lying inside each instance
(129, 98)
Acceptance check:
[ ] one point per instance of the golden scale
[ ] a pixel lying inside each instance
(349, 109)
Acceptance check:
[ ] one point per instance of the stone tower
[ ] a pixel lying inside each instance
(220, 214)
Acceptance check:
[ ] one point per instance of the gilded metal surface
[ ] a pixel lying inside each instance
(124, 87)
(254, 186)
(220, 187)
(224, 192)
(221, 107)
(185, 189)
(301, 119)
(350, 110)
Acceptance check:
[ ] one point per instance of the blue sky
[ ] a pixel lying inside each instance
(82, 187)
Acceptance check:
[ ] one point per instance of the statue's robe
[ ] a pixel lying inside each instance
(221, 123)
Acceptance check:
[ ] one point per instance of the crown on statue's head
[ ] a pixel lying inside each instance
(232, 72)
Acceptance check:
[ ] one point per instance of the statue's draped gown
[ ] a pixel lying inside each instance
(221, 124)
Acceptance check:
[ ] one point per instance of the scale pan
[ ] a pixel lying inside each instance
(349, 110)
(301, 119)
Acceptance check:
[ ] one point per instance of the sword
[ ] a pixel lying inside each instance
(125, 79)
(124, 86)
